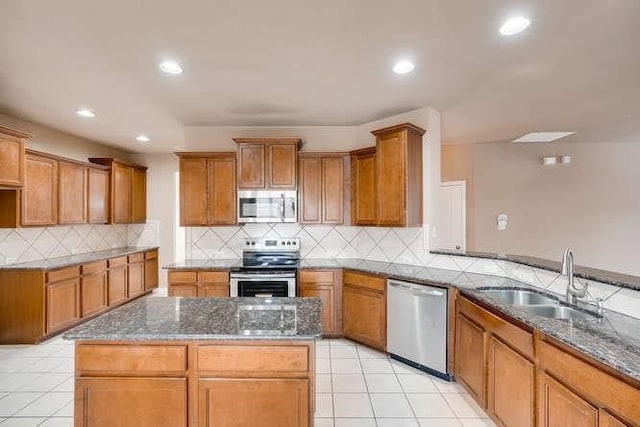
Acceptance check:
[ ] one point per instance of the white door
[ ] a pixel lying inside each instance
(453, 219)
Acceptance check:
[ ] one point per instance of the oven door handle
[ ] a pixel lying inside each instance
(263, 276)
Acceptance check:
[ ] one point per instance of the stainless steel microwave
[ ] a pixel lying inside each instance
(267, 206)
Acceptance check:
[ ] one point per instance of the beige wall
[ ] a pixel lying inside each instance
(591, 205)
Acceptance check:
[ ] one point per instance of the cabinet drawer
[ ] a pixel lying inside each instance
(260, 359)
(590, 382)
(151, 254)
(62, 274)
(130, 360)
(94, 267)
(182, 277)
(136, 257)
(115, 262)
(213, 277)
(316, 276)
(517, 338)
(364, 281)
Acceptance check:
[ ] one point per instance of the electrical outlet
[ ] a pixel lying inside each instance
(11, 260)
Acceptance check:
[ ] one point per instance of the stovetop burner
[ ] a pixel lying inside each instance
(270, 254)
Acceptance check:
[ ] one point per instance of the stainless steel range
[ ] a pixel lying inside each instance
(268, 269)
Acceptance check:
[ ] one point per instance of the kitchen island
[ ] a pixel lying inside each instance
(198, 362)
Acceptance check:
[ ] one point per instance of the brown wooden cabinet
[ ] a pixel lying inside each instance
(72, 193)
(471, 357)
(11, 157)
(267, 163)
(127, 202)
(39, 202)
(184, 283)
(321, 189)
(364, 197)
(364, 309)
(135, 275)
(93, 288)
(560, 407)
(150, 270)
(207, 188)
(326, 285)
(117, 280)
(98, 196)
(63, 298)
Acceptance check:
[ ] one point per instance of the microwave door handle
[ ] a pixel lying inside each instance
(282, 207)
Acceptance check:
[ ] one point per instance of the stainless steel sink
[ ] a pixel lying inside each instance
(518, 297)
(557, 312)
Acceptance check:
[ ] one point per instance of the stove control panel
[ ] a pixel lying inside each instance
(272, 244)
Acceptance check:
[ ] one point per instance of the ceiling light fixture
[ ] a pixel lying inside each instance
(170, 67)
(542, 136)
(403, 67)
(515, 25)
(84, 112)
(142, 138)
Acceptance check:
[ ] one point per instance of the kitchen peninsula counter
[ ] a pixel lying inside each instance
(198, 361)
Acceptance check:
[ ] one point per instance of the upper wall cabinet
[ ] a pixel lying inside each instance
(72, 193)
(267, 163)
(39, 200)
(321, 189)
(364, 199)
(11, 157)
(207, 188)
(128, 191)
(98, 195)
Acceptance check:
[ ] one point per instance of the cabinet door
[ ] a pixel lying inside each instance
(251, 166)
(282, 166)
(605, 419)
(11, 161)
(98, 196)
(560, 407)
(222, 191)
(63, 304)
(364, 317)
(193, 191)
(40, 191)
(138, 195)
(327, 294)
(121, 194)
(470, 360)
(213, 290)
(183, 290)
(364, 199)
(310, 190)
(123, 402)
(150, 270)
(72, 193)
(93, 289)
(135, 279)
(117, 284)
(247, 402)
(333, 190)
(391, 178)
(511, 386)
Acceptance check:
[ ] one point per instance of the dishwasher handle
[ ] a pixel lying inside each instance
(417, 290)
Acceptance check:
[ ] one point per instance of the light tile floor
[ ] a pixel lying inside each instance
(356, 386)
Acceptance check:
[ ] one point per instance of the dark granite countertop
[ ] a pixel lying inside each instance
(178, 319)
(66, 261)
(617, 279)
(204, 264)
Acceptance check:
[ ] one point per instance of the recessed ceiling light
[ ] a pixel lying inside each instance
(515, 25)
(542, 136)
(142, 138)
(403, 67)
(84, 112)
(170, 67)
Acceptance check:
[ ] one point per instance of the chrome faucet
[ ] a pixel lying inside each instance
(573, 291)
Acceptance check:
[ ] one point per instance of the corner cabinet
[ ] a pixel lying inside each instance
(11, 157)
(321, 189)
(128, 190)
(364, 309)
(207, 189)
(267, 163)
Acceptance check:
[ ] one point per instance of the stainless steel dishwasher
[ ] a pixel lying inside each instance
(417, 326)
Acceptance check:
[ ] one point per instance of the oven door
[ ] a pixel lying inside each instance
(267, 206)
(262, 285)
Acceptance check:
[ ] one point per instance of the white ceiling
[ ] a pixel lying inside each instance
(321, 63)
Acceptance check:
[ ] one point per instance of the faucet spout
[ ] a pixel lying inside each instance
(573, 292)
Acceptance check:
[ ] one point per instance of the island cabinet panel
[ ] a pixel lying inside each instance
(148, 402)
(364, 198)
(560, 407)
(96, 360)
(72, 193)
(117, 280)
(364, 309)
(151, 270)
(63, 303)
(98, 196)
(326, 285)
(264, 360)
(11, 157)
(245, 402)
(40, 191)
(93, 288)
(135, 275)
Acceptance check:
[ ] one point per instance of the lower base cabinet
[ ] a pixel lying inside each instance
(364, 309)
(117, 279)
(326, 285)
(470, 357)
(560, 407)
(241, 402)
(140, 402)
(198, 283)
(94, 293)
(135, 276)
(63, 304)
